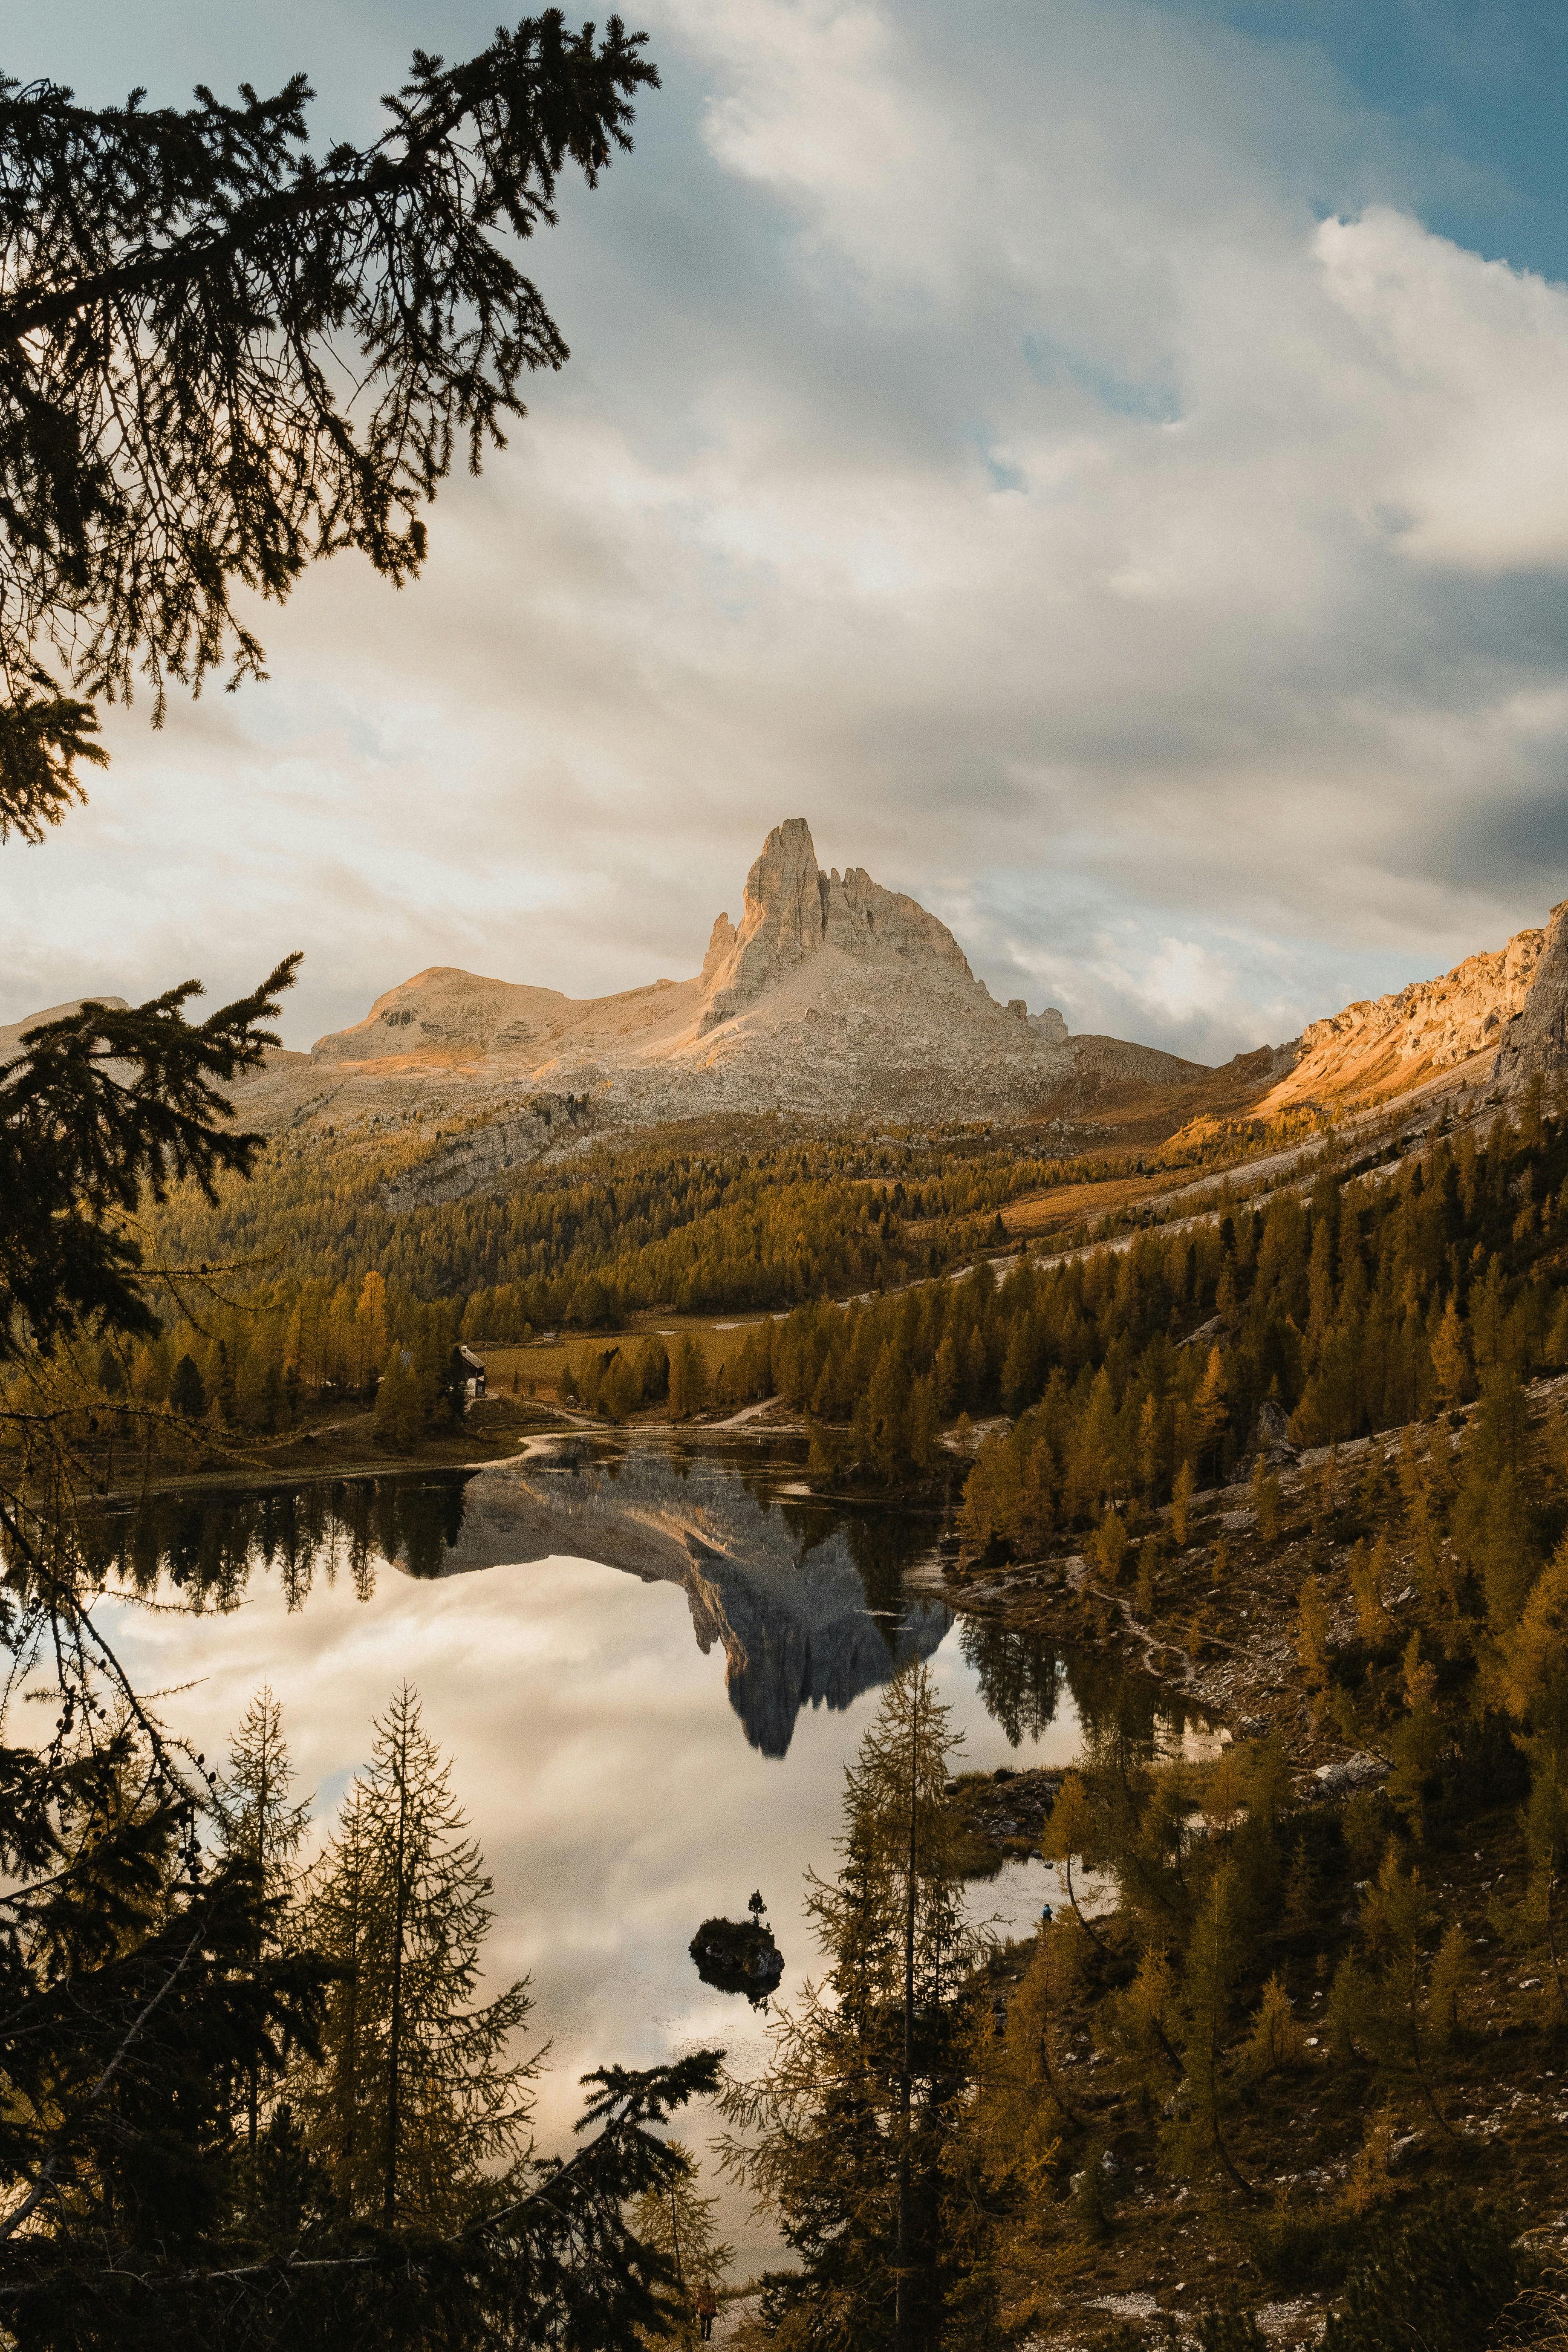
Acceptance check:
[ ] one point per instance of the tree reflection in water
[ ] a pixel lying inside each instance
(1023, 1674)
(804, 1594)
(210, 1542)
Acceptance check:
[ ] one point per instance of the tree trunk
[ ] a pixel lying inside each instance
(395, 2035)
(903, 2309)
(253, 2085)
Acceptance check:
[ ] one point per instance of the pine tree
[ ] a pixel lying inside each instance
(1071, 1829)
(416, 2097)
(370, 1331)
(688, 1379)
(678, 2223)
(1388, 2008)
(1211, 1406)
(1528, 1675)
(1200, 2134)
(263, 1830)
(1369, 1582)
(1109, 1545)
(1278, 2040)
(1181, 1503)
(1450, 1358)
(397, 1415)
(1148, 1569)
(1313, 1641)
(187, 1394)
(338, 2094)
(850, 2135)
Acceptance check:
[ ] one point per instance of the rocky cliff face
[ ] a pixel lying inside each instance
(836, 1000)
(1379, 1048)
(1536, 1040)
(792, 910)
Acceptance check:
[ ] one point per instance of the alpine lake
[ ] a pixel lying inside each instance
(649, 1662)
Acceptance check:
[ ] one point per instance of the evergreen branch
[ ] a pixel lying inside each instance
(12, 2222)
(629, 2100)
(193, 310)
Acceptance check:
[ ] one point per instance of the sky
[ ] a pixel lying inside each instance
(1105, 466)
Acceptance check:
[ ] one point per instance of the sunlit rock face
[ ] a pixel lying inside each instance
(831, 998)
(1381, 1048)
(1536, 1041)
(792, 910)
(776, 1588)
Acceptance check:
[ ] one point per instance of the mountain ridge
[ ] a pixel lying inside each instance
(834, 1000)
(831, 998)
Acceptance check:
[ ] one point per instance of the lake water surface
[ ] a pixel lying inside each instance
(649, 1668)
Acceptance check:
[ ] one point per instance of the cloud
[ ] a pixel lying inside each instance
(1042, 445)
(1470, 358)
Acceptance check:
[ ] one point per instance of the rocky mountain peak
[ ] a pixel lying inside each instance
(831, 998)
(13, 1032)
(792, 910)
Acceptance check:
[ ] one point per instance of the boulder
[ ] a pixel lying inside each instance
(1273, 1436)
(1353, 1772)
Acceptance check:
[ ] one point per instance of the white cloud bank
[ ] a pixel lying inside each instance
(1465, 364)
(979, 443)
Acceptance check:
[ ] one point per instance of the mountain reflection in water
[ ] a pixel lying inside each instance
(804, 1597)
(563, 1617)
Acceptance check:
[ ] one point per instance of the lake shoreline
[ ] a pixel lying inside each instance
(306, 1461)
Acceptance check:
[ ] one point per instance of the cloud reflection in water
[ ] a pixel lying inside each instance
(547, 1619)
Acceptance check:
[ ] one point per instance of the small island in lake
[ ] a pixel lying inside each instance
(738, 1955)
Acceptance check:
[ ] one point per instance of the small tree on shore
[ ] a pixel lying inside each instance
(854, 2134)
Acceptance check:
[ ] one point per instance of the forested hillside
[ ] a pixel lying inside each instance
(1354, 1302)
(685, 1223)
(712, 1216)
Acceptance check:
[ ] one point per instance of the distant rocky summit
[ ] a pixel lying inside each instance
(834, 1000)
(12, 1030)
(831, 997)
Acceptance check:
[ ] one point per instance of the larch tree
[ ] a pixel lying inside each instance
(849, 2135)
(419, 2099)
(369, 1330)
(337, 2095)
(262, 1829)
